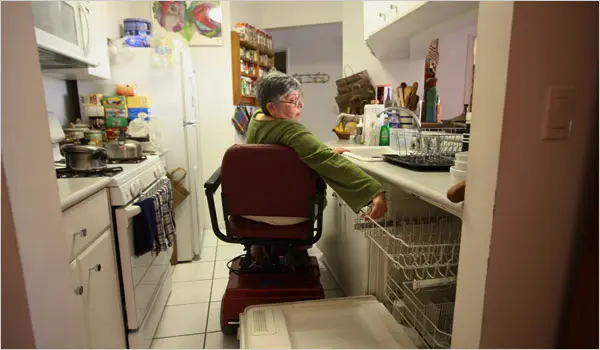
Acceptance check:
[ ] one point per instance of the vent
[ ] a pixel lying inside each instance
(53, 60)
(259, 321)
(263, 322)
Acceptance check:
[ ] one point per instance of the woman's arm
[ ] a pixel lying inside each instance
(349, 181)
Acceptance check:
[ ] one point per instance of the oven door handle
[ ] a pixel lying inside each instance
(125, 214)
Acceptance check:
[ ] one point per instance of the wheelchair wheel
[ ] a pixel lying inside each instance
(227, 329)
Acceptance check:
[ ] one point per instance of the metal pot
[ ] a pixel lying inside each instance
(84, 157)
(74, 133)
(123, 149)
(96, 137)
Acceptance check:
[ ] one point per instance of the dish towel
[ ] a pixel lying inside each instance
(144, 227)
(165, 218)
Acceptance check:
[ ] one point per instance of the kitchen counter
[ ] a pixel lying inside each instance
(429, 186)
(73, 191)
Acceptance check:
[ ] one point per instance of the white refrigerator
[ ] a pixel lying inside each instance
(174, 103)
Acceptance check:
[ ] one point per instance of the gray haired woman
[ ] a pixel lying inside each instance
(277, 122)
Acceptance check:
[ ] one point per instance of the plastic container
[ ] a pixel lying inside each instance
(136, 24)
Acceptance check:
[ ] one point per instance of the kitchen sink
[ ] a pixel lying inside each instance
(369, 153)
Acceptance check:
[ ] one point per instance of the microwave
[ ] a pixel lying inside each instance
(62, 30)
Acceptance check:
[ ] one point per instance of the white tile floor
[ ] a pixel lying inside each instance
(191, 318)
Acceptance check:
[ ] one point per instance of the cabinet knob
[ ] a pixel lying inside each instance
(78, 290)
(381, 14)
(96, 267)
(392, 6)
(81, 233)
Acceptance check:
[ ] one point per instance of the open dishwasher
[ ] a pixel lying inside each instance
(413, 262)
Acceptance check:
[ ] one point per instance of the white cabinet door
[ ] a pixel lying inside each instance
(79, 292)
(328, 244)
(98, 39)
(356, 247)
(375, 16)
(101, 294)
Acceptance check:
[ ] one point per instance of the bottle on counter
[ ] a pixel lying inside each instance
(384, 133)
(359, 136)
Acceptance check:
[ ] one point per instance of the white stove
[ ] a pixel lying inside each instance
(134, 179)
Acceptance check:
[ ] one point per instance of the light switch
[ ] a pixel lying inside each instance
(559, 112)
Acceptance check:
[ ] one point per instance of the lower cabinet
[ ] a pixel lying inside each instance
(345, 249)
(96, 282)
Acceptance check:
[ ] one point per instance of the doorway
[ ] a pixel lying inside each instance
(281, 61)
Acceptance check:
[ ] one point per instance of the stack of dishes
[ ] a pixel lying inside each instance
(459, 170)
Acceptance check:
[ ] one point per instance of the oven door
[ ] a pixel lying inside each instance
(141, 275)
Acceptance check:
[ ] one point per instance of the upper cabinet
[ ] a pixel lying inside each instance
(76, 45)
(404, 29)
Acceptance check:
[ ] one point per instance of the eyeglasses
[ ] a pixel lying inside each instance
(295, 103)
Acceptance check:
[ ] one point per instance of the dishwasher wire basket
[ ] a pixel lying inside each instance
(429, 311)
(422, 247)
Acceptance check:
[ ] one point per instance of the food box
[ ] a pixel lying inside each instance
(113, 133)
(112, 112)
(138, 102)
(115, 102)
(95, 99)
(117, 122)
(135, 112)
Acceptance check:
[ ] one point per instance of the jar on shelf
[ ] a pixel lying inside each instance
(242, 29)
(269, 43)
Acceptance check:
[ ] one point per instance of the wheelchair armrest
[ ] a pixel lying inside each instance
(213, 183)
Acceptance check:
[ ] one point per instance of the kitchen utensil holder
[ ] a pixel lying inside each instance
(429, 311)
(422, 248)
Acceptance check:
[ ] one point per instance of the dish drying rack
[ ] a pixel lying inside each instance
(426, 149)
(423, 251)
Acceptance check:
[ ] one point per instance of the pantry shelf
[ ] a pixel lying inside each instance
(248, 63)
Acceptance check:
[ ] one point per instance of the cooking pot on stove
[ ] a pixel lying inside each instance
(84, 157)
(124, 149)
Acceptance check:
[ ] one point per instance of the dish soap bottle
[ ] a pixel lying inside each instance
(384, 133)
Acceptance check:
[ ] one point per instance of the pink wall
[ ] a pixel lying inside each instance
(16, 324)
(539, 182)
(30, 180)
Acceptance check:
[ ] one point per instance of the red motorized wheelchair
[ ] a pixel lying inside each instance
(267, 180)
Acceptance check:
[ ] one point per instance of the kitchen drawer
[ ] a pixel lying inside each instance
(86, 221)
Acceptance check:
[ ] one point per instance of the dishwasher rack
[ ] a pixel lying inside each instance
(429, 311)
(424, 247)
(419, 289)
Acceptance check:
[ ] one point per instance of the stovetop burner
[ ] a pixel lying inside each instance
(128, 160)
(65, 173)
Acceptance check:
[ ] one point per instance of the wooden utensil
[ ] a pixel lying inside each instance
(402, 94)
(456, 193)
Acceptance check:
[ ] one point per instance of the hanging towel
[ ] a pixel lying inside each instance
(165, 218)
(144, 227)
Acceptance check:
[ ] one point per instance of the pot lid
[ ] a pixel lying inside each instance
(81, 148)
(93, 131)
(73, 129)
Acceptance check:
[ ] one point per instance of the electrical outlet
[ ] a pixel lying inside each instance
(559, 113)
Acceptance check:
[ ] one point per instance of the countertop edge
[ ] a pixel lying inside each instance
(78, 196)
(429, 195)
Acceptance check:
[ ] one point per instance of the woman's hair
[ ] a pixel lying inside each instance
(272, 86)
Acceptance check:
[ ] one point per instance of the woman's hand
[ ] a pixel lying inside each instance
(340, 150)
(379, 207)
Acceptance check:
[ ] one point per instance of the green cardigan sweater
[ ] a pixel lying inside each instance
(349, 181)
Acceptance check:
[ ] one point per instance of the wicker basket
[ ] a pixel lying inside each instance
(180, 193)
(342, 135)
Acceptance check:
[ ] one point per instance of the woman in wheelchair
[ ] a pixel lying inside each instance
(278, 122)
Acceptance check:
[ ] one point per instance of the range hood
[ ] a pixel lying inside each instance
(56, 53)
(53, 60)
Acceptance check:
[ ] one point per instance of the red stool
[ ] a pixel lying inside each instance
(267, 180)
